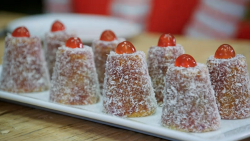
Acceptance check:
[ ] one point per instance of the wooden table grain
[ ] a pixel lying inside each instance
(26, 123)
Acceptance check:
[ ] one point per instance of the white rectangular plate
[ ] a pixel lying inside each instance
(229, 130)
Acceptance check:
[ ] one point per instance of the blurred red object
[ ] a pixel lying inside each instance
(170, 16)
(101, 7)
(243, 30)
(216, 19)
(57, 6)
(166, 16)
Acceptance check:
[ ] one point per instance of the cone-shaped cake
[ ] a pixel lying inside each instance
(24, 67)
(101, 48)
(189, 101)
(127, 89)
(159, 58)
(230, 80)
(74, 79)
(52, 41)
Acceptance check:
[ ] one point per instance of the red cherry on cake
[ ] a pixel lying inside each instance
(224, 51)
(108, 35)
(125, 47)
(21, 32)
(57, 26)
(185, 60)
(74, 42)
(166, 40)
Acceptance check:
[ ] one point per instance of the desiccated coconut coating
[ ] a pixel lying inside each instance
(159, 58)
(230, 80)
(101, 50)
(74, 79)
(24, 67)
(127, 89)
(52, 41)
(189, 101)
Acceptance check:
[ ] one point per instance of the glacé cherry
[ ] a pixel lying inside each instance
(21, 32)
(125, 47)
(166, 40)
(57, 26)
(74, 42)
(185, 60)
(108, 35)
(224, 51)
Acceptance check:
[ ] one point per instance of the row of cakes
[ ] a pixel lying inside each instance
(196, 96)
(190, 98)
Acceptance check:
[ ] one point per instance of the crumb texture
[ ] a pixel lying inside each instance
(159, 59)
(24, 67)
(74, 79)
(189, 102)
(127, 86)
(230, 81)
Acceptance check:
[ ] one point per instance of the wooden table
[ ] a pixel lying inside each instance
(25, 123)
